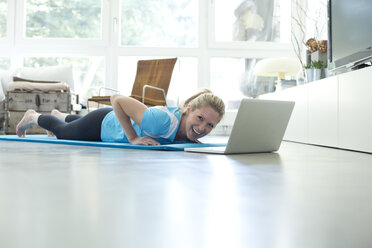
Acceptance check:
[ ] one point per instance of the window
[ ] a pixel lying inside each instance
(216, 42)
(233, 79)
(64, 19)
(226, 74)
(159, 23)
(248, 20)
(249, 30)
(4, 63)
(3, 18)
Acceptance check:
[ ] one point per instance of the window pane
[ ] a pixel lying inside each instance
(183, 83)
(233, 79)
(88, 72)
(63, 19)
(3, 17)
(248, 20)
(159, 23)
(4, 63)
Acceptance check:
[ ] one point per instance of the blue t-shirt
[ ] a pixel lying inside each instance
(160, 123)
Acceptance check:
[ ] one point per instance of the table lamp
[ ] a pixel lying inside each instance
(277, 67)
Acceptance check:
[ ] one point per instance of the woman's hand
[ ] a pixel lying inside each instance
(144, 141)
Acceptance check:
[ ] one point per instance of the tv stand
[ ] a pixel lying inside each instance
(335, 111)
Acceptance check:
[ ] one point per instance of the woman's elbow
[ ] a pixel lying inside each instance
(113, 98)
(119, 99)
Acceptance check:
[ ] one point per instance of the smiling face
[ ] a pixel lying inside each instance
(200, 122)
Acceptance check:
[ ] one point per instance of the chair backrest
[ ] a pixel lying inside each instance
(156, 73)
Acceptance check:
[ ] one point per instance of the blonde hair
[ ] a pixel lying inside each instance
(202, 98)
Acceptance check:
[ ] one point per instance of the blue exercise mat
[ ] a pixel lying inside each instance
(38, 138)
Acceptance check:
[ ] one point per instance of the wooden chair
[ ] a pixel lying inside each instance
(151, 83)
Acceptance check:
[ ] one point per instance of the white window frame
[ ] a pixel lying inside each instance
(17, 46)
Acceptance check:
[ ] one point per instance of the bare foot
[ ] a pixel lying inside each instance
(59, 115)
(29, 119)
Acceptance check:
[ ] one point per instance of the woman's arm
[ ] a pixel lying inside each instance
(127, 108)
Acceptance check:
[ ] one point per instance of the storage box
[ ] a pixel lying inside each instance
(18, 102)
(2, 116)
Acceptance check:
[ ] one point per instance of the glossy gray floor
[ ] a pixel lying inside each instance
(76, 196)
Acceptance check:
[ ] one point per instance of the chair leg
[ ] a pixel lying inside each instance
(155, 88)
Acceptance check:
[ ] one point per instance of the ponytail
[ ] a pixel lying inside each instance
(202, 98)
(188, 100)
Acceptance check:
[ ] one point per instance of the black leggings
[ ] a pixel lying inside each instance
(75, 127)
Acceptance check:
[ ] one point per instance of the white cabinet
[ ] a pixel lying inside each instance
(335, 112)
(355, 110)
(297, 129)
(323, 112)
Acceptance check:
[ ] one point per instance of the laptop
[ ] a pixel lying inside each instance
(259, 127)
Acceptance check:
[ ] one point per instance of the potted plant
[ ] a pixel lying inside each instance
(314, 70)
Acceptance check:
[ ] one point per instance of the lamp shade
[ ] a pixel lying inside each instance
(277, 67)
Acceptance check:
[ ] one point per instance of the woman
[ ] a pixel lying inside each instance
(131, 121)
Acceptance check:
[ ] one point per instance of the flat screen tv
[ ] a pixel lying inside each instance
(349, 34)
